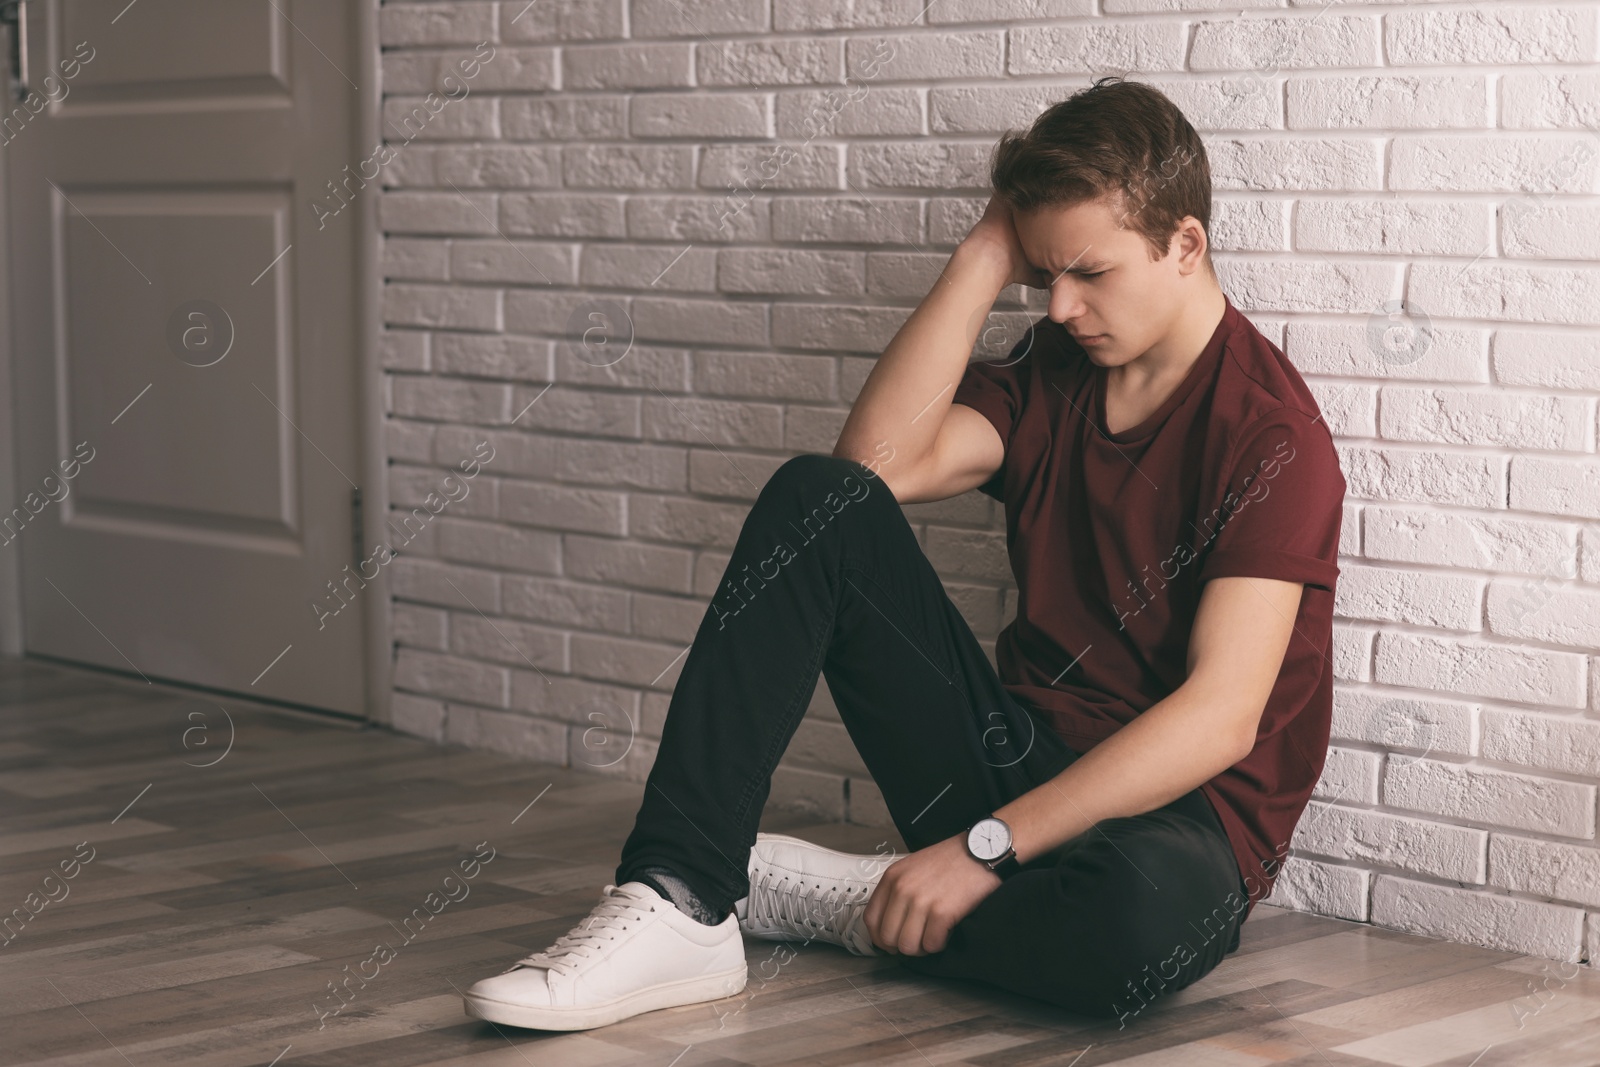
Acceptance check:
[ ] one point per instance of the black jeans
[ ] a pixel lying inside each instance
(827, 575)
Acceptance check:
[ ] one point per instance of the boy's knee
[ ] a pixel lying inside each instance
(814, 475)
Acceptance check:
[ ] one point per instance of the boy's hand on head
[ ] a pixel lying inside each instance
(922, 896)
(993, 239)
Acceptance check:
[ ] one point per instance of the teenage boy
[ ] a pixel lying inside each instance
(1090, 824)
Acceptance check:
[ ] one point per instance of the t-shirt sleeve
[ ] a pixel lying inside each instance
(996, 390)
(1283, 505)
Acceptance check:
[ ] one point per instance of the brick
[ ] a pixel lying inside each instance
(667, 618)
(836, 326)
(1349, 776)
(819, 794)
(627, 166)
(500, 546)
(721, 422)
(1508, 292)
(1420, 350)
(502, 260)
(416, 259)
(577, 411)
(589, 117)
(444, 584)
(521, 358)
(860, 111)
(643, 663)
(1552, 743)
(555, 215)
(729, 472)
(557, 507)
(560, 602)
(1557, 485)
(1504, 672)
(1071, 49)
(969, 554)
(560, 20)
(871, 220)
(1474, 918)
(613, 362)
(579, 701)
(1466, 539)
(627, 563)
(764, 376)
(458, 22)
(806, 15)
(1420, 598)
(1304, 884)
(505, 641)
(700, 321)
(698, 218)
(699, 115)
(1487, 795)
(451, 677)
(757, 168)
(926, 56)
(417, 716)
(770, 61)
(791, 271)
(500, 166)
(403, 350)
(421, 627)
(1389, 102)
(1482, 36)
(1381, 839)
(810, 429)
(627, 66)
(1268, 45)
(1417, 724)
(1394, 227)
(1548, 99)
(408, 440)
(635, 266)
(899, 165)
(436, 117)
(439, 305)
(437, 213)
(684, 521)
(1545, 868)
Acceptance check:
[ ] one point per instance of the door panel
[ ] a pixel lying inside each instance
(184, 327)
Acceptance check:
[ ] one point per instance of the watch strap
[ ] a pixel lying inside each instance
(1006, 865)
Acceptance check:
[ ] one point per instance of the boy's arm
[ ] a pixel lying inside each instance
(1236, 648)
(903, 424)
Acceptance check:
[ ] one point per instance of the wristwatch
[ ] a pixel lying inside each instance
(989, 842)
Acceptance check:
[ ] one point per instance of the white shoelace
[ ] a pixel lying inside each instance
(615, 912)
(806, 911)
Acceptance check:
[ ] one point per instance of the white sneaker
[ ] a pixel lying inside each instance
(804, 892)
(635, 952)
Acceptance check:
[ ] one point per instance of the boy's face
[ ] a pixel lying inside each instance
(1105, 289)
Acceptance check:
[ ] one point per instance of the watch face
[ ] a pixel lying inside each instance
(988, 839)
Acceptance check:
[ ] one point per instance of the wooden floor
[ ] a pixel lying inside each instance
(217, 891)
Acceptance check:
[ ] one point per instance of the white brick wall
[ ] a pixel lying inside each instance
(757, 192)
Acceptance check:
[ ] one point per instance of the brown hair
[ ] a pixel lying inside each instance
(1118, 139)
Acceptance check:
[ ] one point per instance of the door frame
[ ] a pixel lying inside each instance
(377, 640)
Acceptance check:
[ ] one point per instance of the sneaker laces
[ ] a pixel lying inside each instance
(617, 912)
(796, 911)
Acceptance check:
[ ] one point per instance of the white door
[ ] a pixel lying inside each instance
(185, 343)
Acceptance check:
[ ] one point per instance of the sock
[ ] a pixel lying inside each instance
(667, 882)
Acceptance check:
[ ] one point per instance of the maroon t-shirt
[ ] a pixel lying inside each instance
(1111, 537)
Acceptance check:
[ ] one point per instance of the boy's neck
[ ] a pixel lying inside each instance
(1167, 362)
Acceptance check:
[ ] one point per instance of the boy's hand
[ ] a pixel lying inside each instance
(993, 240)
(921, 896)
